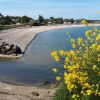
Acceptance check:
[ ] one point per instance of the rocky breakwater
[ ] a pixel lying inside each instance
(8, 50)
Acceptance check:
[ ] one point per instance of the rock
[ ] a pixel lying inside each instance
(0, 44)
(35, 93)
(9, 49)
(13, 50)
(49, 91)
(11, 45)
(3, 43)
(18, 50)
(9, 53)
(3, 50)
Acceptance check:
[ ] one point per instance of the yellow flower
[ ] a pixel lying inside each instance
(99, 93)
(65, 66)
(82, 79)
(68, 54)
(84, 22)
(53, 53)
(72, 53)
(74, 96)
(82, 92)
(89, 92)
(88, 32)
(66, 59)
(61, 52)
(98, 37)
(87, 85)
(94, 67)
(94, 46)
(98, 73)
(80, 41)
(55, 70)
(98, 48)
(72, 41)
(70, 87)
(57, 59)
(58, 78)
(73, 45)
(98, 59)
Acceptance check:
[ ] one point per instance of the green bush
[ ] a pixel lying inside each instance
(61, 93)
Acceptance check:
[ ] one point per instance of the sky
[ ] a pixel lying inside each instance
(77, 9)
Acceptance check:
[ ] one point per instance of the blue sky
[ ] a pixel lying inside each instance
(57, 8)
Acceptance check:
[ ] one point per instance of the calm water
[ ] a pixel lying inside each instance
(36, 65)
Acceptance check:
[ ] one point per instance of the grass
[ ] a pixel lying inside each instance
(61, 93)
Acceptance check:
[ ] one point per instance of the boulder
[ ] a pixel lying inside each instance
(18, 50)
(9, 49)
(35, 94)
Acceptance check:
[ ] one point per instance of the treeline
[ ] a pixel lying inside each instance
(8, 20)
(25, 20)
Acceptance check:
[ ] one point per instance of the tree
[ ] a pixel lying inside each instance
(56, 20)
(5, 20)
(25, 19)
(59, 20)
(41, 20)
(1, 15)
(71, 20)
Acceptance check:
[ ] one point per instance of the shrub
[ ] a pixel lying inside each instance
(81, 67)
(62, 93)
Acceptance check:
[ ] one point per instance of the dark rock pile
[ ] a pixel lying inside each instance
(9, 49)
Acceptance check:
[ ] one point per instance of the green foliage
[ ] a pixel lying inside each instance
(25, 19)
(56, 20)
(5, 20)
(62, 93)
(40, 19)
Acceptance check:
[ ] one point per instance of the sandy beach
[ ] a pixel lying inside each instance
(13, 92)
(23, 36)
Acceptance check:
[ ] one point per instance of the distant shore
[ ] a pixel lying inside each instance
(24, 35)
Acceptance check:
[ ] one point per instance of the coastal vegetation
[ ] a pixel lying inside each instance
(80, 79)
(15, 21)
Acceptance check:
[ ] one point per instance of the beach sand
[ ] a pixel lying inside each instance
(13, 92)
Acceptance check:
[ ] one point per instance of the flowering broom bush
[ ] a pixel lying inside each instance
(81, 67)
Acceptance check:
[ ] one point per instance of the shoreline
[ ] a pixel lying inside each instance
(24, 36)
